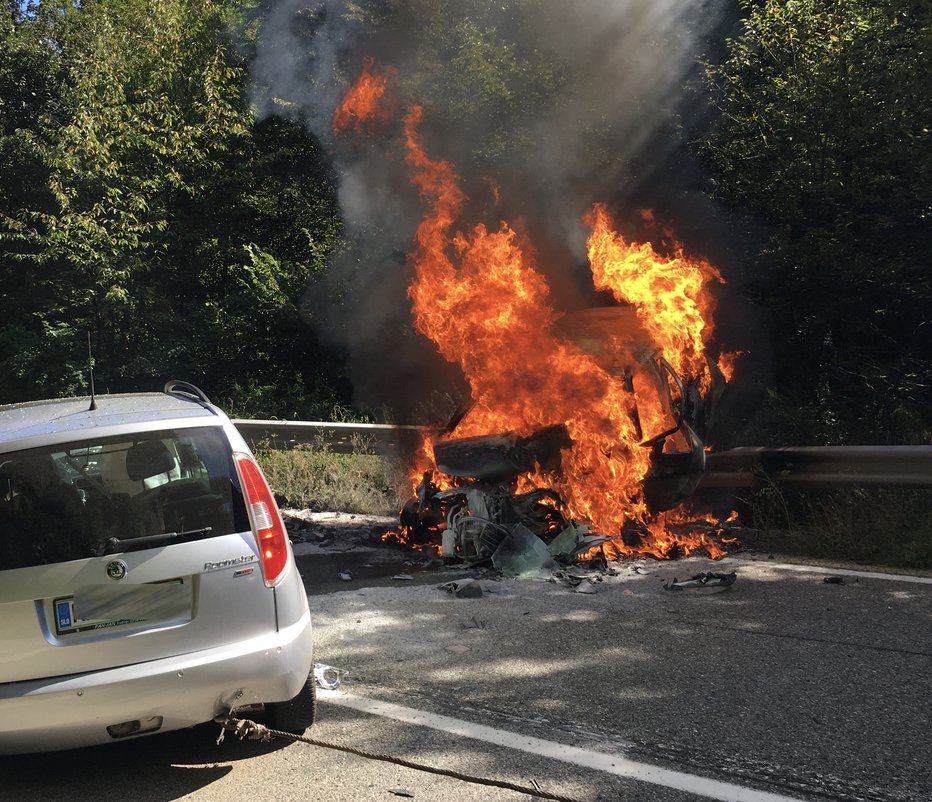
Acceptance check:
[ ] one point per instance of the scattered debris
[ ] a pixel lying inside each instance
(403, 577)
(401, 792)
(327, 677)
(458, 649)
(463, 588)
(566, 578)
(474, 623)
(834, 580)
(343, 531)
(706, 579)
(577, 582)
(568, 541)
(346, 576)
(521, 553)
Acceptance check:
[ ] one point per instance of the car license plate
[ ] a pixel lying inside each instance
(105, 607)
(67, 623)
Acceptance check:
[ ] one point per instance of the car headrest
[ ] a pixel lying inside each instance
(148, 458)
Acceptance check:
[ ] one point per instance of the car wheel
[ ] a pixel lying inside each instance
(297, 714)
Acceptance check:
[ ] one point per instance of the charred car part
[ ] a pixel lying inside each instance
(501, 458)
(706, 579)
(482, 513)
(673, 476)
(614, 337)
(474, 519)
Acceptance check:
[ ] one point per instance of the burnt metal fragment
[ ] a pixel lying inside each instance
(521, 553)
(634, 533)
(706, 579)
(463, 588)
(501, 457)
(599, 562)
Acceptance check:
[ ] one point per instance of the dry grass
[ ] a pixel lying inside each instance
(877, 525)
(323, 480)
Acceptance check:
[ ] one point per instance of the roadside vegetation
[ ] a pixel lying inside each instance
(321, 480)
(884, 526)
(824, 136)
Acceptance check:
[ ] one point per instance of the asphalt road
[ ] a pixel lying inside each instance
(781, 686)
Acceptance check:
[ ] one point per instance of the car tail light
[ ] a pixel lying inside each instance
(266, 521)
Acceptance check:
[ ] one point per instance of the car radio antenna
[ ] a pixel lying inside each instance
(90, 370)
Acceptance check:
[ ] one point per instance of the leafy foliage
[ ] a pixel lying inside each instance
(144, 204)
(824, 135)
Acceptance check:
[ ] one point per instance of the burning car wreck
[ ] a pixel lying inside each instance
(585, 426)
(481, 517)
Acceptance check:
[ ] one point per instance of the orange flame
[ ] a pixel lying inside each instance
(365, 107)
(671, 294)
(726, 363)
(400, 537)
(478, 295)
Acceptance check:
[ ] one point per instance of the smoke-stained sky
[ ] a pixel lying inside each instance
(559, 104)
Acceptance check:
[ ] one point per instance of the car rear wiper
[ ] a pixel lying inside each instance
(114, 544)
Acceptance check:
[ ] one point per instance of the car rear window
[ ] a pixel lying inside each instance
(68, 502)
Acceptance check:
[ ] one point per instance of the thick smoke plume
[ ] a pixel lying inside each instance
(544, 108)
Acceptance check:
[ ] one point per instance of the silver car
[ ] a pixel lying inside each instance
(146, 580)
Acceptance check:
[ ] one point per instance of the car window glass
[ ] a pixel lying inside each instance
(65, 502)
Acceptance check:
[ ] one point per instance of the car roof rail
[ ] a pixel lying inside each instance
(186, 390)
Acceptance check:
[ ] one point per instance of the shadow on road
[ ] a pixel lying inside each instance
(151, 769)
(782, 675)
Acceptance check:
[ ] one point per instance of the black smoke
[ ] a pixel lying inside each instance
(560, 105)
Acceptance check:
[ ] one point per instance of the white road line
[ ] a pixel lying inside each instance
(819, 569)
(600, 761)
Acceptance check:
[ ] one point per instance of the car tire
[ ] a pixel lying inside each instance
(295, 715)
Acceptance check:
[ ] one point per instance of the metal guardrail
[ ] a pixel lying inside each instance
(820, 465)
(737, 467)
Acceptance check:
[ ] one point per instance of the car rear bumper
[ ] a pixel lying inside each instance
(184, 690)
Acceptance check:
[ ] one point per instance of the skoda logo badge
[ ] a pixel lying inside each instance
(116, 569)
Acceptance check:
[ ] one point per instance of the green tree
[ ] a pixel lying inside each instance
(152, 106)
(36, 344)
(149, 208)
(825, 137)
(250, 243)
